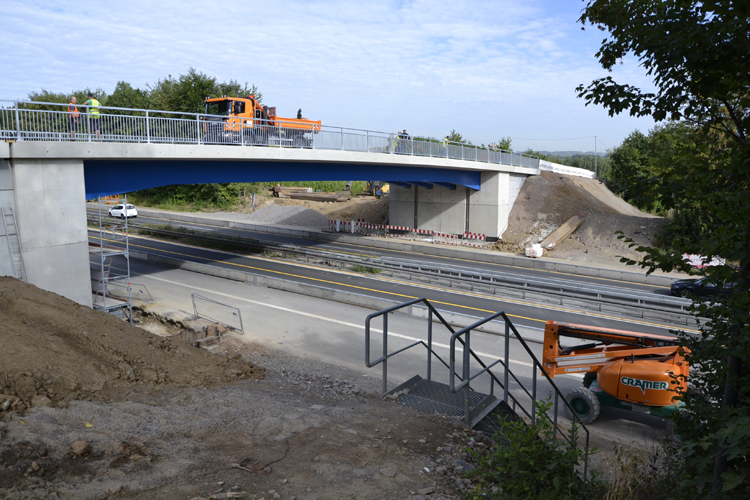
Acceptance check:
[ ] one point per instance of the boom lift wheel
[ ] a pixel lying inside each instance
(585, 404)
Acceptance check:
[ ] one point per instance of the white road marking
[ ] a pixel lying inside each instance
(331, 320)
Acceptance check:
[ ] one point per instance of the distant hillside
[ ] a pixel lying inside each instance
(568, 154)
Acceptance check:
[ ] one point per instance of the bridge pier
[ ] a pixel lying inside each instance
(46, 197)
(460, 209)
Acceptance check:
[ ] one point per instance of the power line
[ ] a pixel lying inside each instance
(570, 139)
(600, 142)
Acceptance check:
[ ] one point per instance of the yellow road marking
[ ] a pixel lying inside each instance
(436, 256)
(373, 289)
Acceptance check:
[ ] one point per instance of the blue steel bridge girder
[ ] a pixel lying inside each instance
(108, 177)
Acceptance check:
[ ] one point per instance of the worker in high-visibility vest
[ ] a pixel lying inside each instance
(94, 116)
(74, 114)
(445, 146)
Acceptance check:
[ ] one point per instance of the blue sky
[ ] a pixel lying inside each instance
(488, 69)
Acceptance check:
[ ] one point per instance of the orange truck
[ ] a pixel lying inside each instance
(627, 370)
(243, 120)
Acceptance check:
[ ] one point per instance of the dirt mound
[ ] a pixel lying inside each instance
(372, 210)
(55, 351)
(289, 216)
(548, 200)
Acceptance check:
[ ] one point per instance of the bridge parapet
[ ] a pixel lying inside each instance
(44, 121)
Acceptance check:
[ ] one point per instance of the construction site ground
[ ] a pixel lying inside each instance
(93, 408)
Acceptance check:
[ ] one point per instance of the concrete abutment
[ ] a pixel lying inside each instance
(46, 197)
(459, 210)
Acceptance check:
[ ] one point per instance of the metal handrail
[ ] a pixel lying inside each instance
(158, 126)
(466, 379)
(386, 355)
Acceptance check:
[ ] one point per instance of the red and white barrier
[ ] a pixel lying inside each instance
(422, 232)
(474, 240)
(370, 229)
(446, 238)
(398, 231)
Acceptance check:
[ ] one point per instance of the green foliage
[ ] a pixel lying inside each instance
(696, 53)
(62, 98)
(188, 92)
(504, 144)
(527, 462)
(188, 196)
(125, 96)
(641, 163)
(539, 154)
(457, 138)
(365, 269)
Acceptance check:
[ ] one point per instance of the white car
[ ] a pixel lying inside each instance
(122, 211)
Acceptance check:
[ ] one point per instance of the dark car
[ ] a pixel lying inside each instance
(699, 287)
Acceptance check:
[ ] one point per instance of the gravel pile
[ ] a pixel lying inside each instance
(289, 216)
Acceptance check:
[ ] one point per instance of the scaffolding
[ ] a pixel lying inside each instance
(110, 284)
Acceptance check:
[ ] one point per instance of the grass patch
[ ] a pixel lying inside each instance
(365, 269)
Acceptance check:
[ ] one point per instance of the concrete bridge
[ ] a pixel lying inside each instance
(45, 177)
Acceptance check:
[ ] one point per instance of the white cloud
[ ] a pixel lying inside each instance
(486, 69)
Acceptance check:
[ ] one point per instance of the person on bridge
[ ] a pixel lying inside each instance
(445, 146)
(405, 141)
(94, 116)
(74, 114)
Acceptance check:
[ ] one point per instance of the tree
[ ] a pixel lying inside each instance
(456, 137)
(696, 52)
(502, 145)
(125, 96)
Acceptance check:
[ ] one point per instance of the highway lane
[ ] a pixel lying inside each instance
(522, 313)
(334, 332)
(355, 249)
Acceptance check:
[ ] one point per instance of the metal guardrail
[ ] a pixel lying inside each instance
(523, 283)
(565, 292)
(27, 121)
(466, 374)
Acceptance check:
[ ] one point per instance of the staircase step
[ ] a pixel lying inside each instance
(434, 397)
(489, 423)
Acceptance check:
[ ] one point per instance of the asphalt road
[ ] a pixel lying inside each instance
(351, 248)
(333, 332)
(522, 313)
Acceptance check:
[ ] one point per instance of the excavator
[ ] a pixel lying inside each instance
(243, 120)
(627, 370)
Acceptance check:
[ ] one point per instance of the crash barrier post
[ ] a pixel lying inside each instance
(227, 315)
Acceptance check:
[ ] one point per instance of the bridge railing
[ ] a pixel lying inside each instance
(46, 121)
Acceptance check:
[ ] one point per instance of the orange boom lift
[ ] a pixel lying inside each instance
(243, 120)
(628, 370)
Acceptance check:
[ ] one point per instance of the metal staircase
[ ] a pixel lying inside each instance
(451, 393)
(14, 242)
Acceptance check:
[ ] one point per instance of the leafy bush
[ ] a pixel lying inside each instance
(528, 462)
